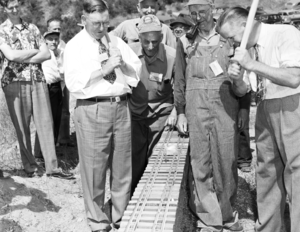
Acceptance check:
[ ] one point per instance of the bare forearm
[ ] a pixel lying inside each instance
(128, 70)
(17, 55)
(40, 57)
(289, 77)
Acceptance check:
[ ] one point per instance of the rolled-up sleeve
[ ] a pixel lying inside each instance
(289, 48)
(180, 81)
(133, 64)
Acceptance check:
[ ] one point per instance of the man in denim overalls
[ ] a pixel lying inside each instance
(206, 104)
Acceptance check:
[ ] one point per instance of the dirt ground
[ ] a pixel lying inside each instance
(54, 205)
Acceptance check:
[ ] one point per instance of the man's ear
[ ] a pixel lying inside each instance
(243, 23)
(83, 20)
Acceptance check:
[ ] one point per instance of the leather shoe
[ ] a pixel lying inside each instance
(62, 175)
(38, 172)
(236, 227)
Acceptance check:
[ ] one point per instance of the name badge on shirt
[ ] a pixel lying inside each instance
(156, 77)
(216, 68)
(103, 56)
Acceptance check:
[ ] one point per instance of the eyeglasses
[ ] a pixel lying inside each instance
(99, 24)
(201, 14)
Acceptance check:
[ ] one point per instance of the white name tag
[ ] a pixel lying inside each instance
(156, 77)
(216, 68)
(103, 56)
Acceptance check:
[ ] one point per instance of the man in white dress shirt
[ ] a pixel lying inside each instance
(277, 127)
(98, 71)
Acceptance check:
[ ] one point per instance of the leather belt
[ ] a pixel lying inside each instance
(108, 99)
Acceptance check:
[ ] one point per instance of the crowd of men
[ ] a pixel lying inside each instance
(130, 83)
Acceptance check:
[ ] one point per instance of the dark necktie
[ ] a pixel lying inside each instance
(112, 76)
(261, 85)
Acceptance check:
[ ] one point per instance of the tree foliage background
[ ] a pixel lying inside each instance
(70, 11)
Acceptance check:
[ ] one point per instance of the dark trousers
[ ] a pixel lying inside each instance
(64, 130)
(244, 151)
(146, 132)
(55, 93)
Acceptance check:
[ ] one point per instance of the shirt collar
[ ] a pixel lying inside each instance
(11, 26)
(88, 36)
(160, 54)
(211, 35)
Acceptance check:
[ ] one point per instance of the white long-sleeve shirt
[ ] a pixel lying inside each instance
(82, 58)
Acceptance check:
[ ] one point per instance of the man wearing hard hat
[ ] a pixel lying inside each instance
(207, 108)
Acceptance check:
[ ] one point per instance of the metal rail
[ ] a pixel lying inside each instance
(157, 193)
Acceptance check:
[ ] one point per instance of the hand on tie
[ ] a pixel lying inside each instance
(114, 61)
(116, 52)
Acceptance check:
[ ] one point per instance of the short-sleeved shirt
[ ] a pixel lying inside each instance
(24, 37)
(279, 47)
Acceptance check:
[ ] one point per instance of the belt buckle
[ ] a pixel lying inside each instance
(118, 99)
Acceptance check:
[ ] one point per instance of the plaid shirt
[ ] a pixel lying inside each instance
(24, 38)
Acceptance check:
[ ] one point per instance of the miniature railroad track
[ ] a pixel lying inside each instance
(154, 203)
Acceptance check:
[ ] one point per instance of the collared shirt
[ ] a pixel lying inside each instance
(82, 58)
(51, 68)
(155, 94)
(22, 37)
(212, 39)
(128, 31)
(181, 63)
(279, 47)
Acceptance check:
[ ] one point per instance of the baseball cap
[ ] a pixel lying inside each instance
(149, 23)
(181, 20)
(200, 2)
(51, 33)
